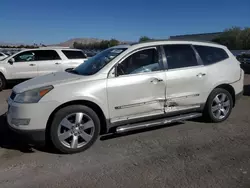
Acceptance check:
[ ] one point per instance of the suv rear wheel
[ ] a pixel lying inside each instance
(219, 105)
(74, 129)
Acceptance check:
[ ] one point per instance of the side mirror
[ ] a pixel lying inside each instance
(11, 61)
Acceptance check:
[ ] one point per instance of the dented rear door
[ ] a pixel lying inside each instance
(186, 85)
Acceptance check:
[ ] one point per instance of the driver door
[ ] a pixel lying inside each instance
(138, 88)
(24, 66)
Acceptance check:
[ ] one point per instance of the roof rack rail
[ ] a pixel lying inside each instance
(60, 47)
(158, 40)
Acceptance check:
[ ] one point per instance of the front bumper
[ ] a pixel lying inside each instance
(33, 136)
(29, 120)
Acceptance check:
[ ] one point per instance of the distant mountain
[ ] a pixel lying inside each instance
(69, 43)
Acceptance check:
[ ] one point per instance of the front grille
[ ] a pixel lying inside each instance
(13, 95)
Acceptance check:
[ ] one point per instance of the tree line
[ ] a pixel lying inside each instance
(234, 38)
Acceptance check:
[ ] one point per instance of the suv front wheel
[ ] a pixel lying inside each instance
(74, 129)
(219, 105)
(2, 82)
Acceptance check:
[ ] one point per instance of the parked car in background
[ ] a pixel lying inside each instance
(30, 63)
(3, 56)
(126, 88)
(244, 59)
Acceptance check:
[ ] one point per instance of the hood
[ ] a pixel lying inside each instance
(46, 80)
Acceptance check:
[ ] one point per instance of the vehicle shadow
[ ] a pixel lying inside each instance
(117, 135)
(246, 90)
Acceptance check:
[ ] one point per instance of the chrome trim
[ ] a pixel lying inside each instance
(184, 96)
(138, 104)
(137, 116)
(159, 122)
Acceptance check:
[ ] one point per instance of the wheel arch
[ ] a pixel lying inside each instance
(227, 87)
(87, 103)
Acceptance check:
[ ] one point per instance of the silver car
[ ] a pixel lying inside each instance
(126, 88)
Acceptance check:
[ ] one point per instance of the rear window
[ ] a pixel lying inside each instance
(71, 54)
(180, 56)
(210, 55)
(44, 55)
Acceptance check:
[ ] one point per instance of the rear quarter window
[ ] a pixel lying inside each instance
(210, 55)
(71, 54)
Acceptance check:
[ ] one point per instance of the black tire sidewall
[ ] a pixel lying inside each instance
(208, 108)
(62, 113)
(3, 82)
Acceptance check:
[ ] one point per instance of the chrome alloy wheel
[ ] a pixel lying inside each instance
(76, 130)
(220, 106)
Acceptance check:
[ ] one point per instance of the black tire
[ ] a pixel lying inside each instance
(64, 112)
(208, 114)
(2, 82)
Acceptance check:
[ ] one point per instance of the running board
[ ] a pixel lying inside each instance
(158, 122)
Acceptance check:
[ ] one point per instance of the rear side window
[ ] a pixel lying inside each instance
(180, 56)
(43, 55)
(71, 54)
(210, 55)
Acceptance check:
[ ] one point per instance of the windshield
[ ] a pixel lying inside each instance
(97, 62)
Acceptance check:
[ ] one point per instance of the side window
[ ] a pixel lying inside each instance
(210, 55)
(71, 54)
(25, 56)
(142, 61)
(180, 56)
(44, 55)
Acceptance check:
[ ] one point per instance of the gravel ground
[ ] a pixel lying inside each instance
(192, 154)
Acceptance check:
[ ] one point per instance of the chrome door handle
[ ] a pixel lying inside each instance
(155, 80)
(57, 63)
(201, 74)
(32, 64)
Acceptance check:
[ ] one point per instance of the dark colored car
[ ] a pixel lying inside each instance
(244, 59)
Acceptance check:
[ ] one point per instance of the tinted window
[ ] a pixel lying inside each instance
(43, 55)
(180, 56)
(25, 56)
(142, 61)
(210, 55)
(71, 54)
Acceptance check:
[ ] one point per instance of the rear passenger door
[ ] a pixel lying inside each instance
(48, 61)
(186, 78)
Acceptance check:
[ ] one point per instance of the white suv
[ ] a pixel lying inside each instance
(126, 88)
(30, 63)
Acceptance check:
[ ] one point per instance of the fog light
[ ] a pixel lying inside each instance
(18, 122)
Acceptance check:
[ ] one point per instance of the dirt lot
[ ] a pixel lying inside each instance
(193, 154)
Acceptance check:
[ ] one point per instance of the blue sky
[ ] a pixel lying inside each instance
(53, 21)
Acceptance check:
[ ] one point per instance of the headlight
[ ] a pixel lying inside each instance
(32, 96)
